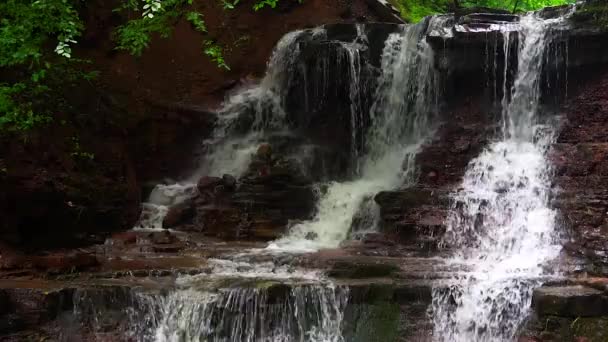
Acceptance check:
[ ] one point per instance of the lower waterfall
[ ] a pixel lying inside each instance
(243, 314)
(501, 223)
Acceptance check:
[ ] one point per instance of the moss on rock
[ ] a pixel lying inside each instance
(593, 13)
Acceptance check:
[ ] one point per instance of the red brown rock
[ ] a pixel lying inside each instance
(581, 166)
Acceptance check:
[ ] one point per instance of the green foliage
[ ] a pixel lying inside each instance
(215, 53)
(415, 10)
(267, 3)
(515, 5)
(134, 36)
(27, 28)
(593, 13)
(230, 4)
(196, 19)
(78, 152)
(261, 4)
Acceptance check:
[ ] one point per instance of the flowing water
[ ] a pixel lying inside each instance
(229, 149)
(405, 103)
(502, 224)
(261, 310)
(382, 158)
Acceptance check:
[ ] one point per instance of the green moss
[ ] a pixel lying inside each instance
(563, 329)
(594, 329)
(377, 323)
(594, 13)
(415, 10)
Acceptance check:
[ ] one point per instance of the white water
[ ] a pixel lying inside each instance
(229, 152)
(502, 223)
(311, 313)
(405, 103)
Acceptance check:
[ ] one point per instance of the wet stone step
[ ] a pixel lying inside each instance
(358, 310)
(570, 301)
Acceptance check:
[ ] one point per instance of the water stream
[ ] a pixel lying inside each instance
(502, 224)
(405, 103)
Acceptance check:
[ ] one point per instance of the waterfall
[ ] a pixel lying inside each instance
(405, 102)
(239, 130)
(501, 222)
(311, 313)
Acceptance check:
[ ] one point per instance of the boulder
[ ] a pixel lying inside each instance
(570, 301)
(207, 183)
(178, 214)
(229, 182)
(259, 206)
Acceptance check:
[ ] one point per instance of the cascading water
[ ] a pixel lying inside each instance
(236, 135)
(246, 313)
(406, 100)
(502, 223)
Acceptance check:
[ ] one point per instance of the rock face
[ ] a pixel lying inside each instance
(415, 216)
(331, 89)
(61, 185)
(259, 206)
(570, 301)
(65, 185)
(581, 175)
(569, 312)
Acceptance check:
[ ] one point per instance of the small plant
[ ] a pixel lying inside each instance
(135, 36)
(151, 8)
(242, 41)
(261, 4)
(230, 4)
(196, 19)
(215, 53)
(17, 115)
(267, 3)
(78, 153)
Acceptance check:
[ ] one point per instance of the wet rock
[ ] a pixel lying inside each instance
(361, 269)
(162, 238)
(264, 152)
(229, 182)
(580, 158)
(122, 239)
(62, 262)
(272, 192)
(206, 184)
(33, 306)
(558, 329)
(178, 214)
(414, 217)
(311, 236)
(386, 11)
(11, 323)
(168, 248)
(570, 301)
